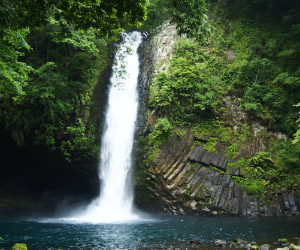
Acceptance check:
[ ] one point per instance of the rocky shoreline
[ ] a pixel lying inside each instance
(280, 244)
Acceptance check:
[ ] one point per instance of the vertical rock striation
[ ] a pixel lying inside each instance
(187, 179)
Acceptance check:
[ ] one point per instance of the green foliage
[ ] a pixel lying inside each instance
(162, 132)
(232, 151)
(266, 170)
(256, 170)
(287, 155)
(210, 145)
(189, 17)
(253, 188)
(186, 91)
(181, 133)
(269, 171)
(164, 125)
(67, 54)
(297, 134)
(264, 70)
(256, 59)
(14, 74)
(80, 142)
(216, 169)
(216, 131)
(106, 17)
(157, 13)
(58, 91)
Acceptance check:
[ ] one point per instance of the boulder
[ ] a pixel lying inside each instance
(283, 240)
(265, 247)
(294, 247)
(19, 246)
(254, 247)
(283, 248)
(205, 209)
(248, 247)
(220, 243)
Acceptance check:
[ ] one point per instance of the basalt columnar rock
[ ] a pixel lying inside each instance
(184, 177)
(188, 179)
(155, 54)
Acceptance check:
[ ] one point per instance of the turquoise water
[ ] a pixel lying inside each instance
(155, 232)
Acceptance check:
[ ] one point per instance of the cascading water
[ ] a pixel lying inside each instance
(116, 194)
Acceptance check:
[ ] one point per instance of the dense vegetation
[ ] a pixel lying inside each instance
(55, 59)
(253, 55)
(57, 94)
(52, 55)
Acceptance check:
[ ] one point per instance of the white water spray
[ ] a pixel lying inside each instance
(116, 195)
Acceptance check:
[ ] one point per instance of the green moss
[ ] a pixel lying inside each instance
(162, 132)
(216, 169)
(19, 246)
(210, 145)
(188, 191)
(181, 134)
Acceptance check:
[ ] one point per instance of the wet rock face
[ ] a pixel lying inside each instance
(155, 54)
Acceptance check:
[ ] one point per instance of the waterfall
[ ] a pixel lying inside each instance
(116, 191)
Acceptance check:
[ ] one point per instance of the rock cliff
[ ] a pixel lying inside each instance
(187, 177)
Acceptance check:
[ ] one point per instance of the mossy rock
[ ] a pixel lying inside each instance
(254, 247)
(19, 246)
(283, 240)
(294, 247)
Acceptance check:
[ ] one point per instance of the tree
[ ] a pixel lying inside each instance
(107, 17)
(188, 15)
(190, 18)
(13, 73)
